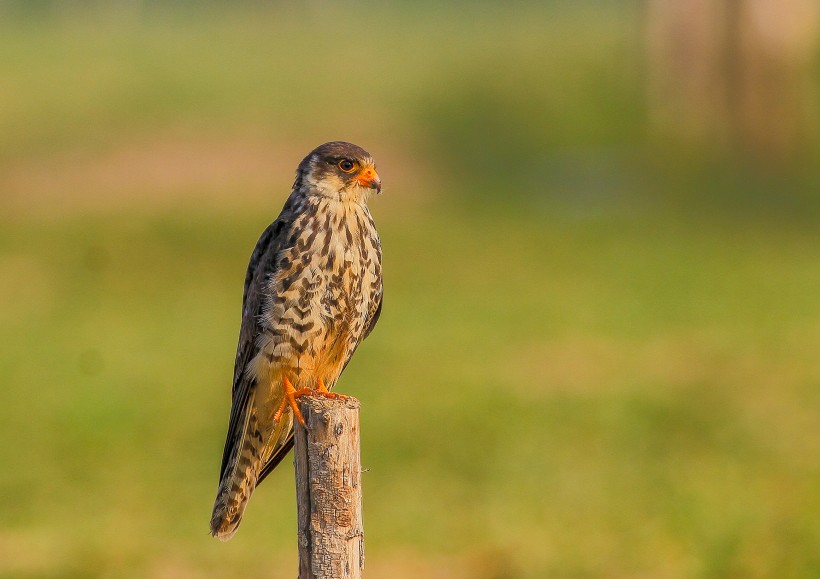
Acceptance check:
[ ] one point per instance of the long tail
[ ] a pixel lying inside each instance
(256, 450)
(239, 478)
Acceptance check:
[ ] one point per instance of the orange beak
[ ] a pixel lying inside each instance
(369, 179)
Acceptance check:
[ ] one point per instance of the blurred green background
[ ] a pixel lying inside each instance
(598, 355)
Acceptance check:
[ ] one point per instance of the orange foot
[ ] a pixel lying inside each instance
(322, 390)
(291, 394)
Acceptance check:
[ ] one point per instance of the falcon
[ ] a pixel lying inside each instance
(313, 292)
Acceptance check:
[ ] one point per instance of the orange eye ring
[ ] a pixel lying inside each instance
(346, 165)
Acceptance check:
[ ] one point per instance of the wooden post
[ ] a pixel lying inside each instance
(328, 489)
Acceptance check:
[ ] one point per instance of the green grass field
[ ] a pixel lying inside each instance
(583, 368)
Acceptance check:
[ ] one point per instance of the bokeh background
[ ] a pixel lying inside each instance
(600, 348)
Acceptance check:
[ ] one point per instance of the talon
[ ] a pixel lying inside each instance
(321, 390)
(291, 394)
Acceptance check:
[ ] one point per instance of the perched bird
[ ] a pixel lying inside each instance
(313, 292)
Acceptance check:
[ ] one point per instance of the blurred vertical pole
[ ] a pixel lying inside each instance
(734, 74)
(328, 489)
(687, 90)
(778, 40)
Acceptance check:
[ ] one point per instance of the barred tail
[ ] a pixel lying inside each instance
(255, 449)
(238, 479)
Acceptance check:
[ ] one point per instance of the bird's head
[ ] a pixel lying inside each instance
(340, 170)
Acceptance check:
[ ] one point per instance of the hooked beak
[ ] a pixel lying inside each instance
(369, 179)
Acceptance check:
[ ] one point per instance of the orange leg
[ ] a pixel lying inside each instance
(291, 394)
(321, 390)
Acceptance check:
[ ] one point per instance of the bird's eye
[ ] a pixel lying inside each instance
(347, 165)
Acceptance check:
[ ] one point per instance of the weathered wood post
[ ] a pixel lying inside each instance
(328, 489)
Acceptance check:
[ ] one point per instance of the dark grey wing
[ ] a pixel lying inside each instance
(275, 458)
(375, 318)
(262, 265)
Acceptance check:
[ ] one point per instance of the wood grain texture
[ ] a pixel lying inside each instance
(328, 489)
